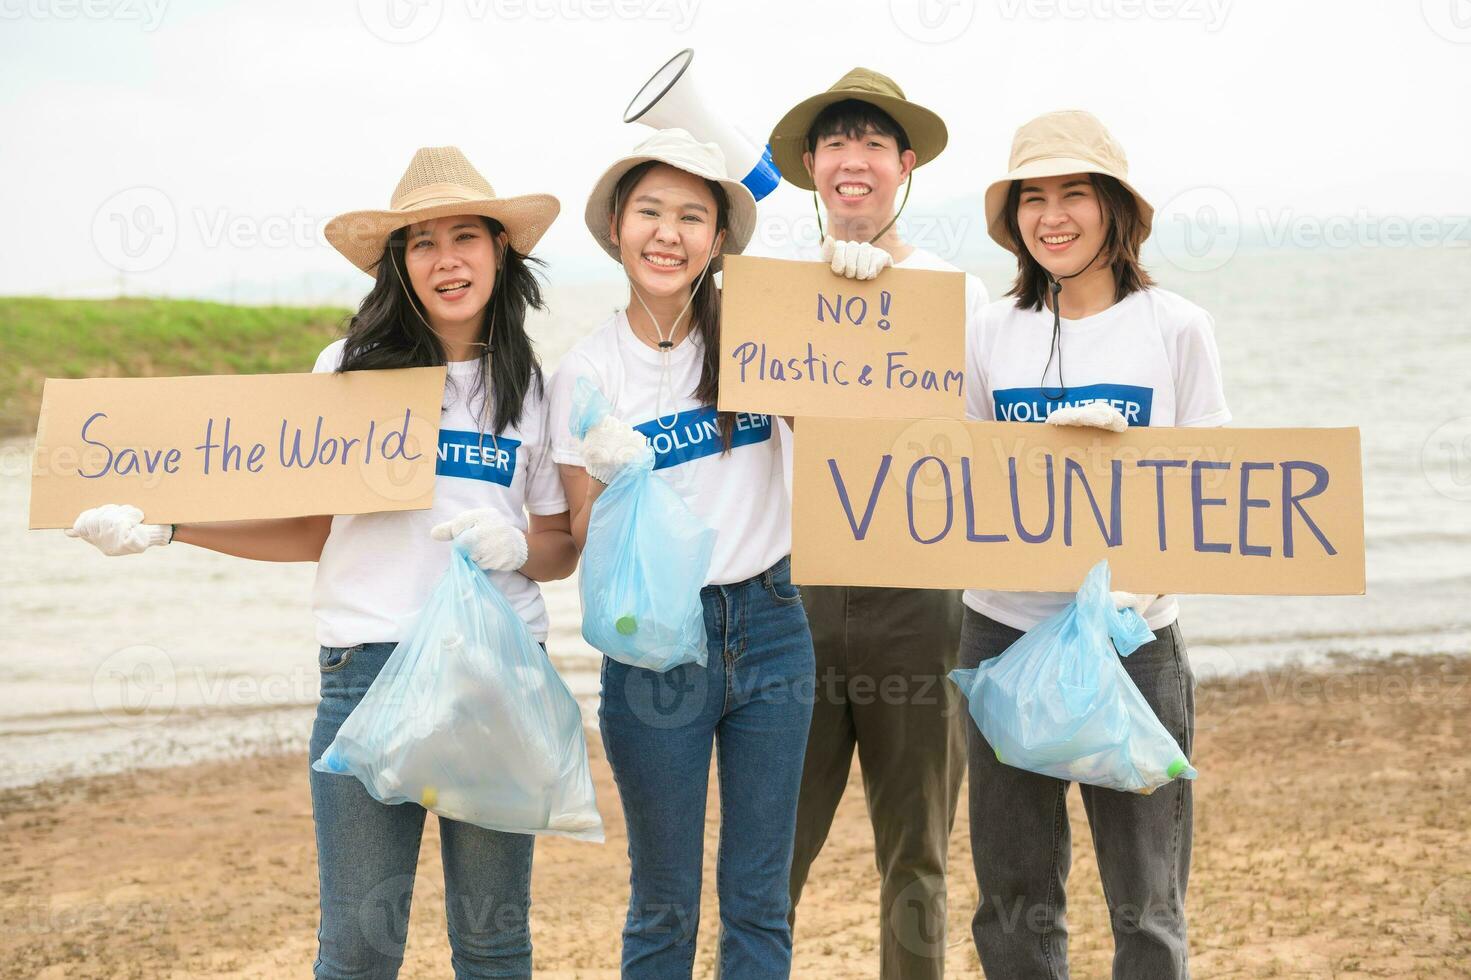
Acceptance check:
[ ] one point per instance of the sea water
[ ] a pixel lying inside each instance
(167, 658)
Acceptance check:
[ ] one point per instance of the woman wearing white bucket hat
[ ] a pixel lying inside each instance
(452, 283)
(1084, 339)
(667, 214)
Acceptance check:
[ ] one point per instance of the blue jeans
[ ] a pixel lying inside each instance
(1021, 844)
(753, 701)
(367, 853)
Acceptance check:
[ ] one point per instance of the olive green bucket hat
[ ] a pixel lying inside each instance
(926, 130)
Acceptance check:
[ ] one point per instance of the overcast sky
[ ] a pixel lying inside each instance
(195, 148)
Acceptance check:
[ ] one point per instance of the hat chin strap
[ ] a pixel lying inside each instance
(1054, 288)
(488, 344)
(908, 186)
(666, 344)
(415, 308)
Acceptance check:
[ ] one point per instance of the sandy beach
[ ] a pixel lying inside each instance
(1332, 840)
(1188, 250)
(153, 789)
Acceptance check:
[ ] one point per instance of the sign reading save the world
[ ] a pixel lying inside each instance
(254, 446)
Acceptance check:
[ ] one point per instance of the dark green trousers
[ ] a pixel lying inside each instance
(882, 657)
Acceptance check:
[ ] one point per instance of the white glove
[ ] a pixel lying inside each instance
(1100, 415)
(1129, 600)
(611, 445)
(493, 544)
(855, 260)
(117, 529)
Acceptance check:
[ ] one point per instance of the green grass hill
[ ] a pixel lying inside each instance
(70, 338)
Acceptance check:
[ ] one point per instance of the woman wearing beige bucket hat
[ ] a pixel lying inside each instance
(667, 213)
(1084, 338)
(452, 284)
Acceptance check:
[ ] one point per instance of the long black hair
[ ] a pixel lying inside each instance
(705, 309)
(390, 329)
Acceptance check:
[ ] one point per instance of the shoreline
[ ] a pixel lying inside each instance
(578, 675)
(1328, 843)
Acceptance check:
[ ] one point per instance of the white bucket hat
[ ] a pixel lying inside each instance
(680, 150)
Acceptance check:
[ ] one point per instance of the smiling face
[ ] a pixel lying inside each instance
(857, 176)
(451, 265)
(666, 231)
(1061, 222)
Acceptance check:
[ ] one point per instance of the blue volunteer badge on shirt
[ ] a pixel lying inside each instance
(684, 436)
(462, 454)
(1030, 405)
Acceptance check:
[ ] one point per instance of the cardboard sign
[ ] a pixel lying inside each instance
(237, 447)
(797, 340)
(1028, 507)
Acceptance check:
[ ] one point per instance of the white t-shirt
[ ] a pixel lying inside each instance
(975, 303)
(740, 494)
(1152, 356)
(377, 570)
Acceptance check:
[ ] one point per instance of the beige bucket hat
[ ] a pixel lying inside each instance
(926, 130)
(439, 182)
(680, 150)
(1067, 142)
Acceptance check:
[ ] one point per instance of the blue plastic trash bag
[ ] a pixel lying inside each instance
(1059, 702)
(646, 558)
(469, 719)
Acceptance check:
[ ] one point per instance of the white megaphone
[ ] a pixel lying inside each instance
(670, 100)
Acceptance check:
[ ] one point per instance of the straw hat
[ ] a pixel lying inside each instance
(1058, 143)
(926, 131)
(680, 150)
(439, 182)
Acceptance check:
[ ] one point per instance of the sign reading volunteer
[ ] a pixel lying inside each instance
(242, 447)
(797, 340)
(944, 504)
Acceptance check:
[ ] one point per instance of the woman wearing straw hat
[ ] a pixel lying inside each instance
(452, 283)
(1085, 338)
(667, 214)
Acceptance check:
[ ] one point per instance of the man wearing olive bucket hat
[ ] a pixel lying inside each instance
(1084, 337)
(852, 146)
